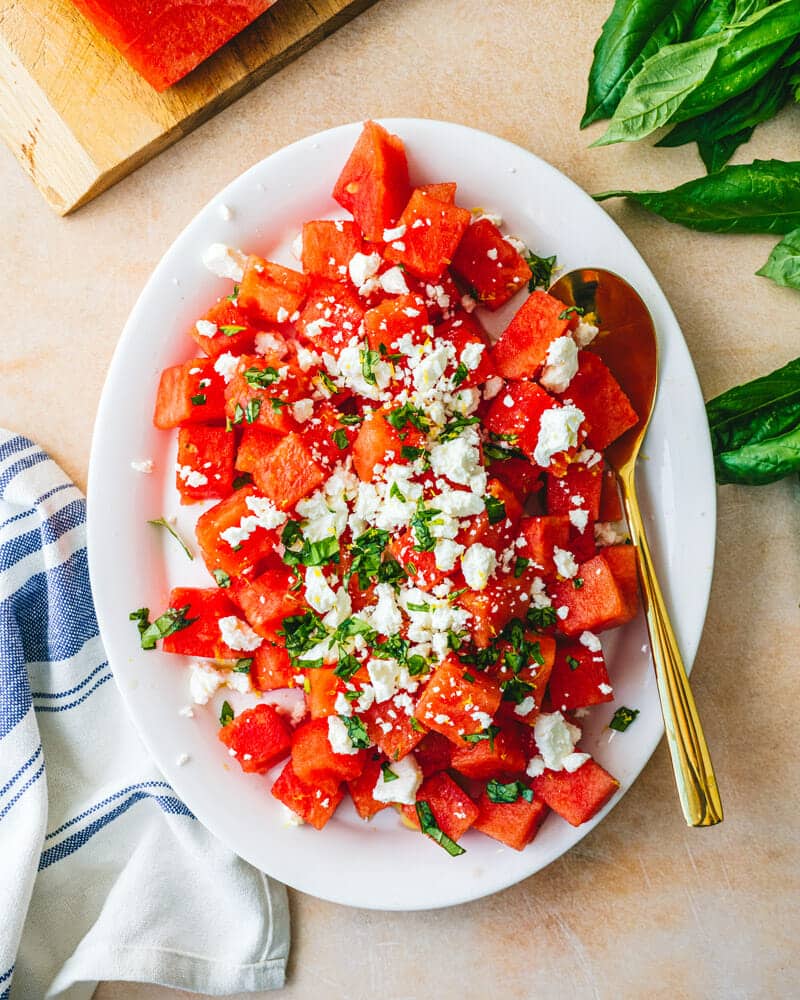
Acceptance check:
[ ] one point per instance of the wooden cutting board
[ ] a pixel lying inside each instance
(78, 118)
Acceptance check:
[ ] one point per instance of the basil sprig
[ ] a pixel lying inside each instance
(431, 829)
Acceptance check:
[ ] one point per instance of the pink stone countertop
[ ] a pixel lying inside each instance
(643, 906)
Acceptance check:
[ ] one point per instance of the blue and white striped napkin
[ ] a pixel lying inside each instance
(104, 872)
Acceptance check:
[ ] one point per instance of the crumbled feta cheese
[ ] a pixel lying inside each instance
(610, 532)
(319, 593)
(206, 328)
(535, 767)
(290, 818)
(555, 738)
(404, 786)
(477, 564)
(579, 518)
(307, 359)
(339, 738)
(297, 247)
(508, 401)
(224, 261)
(525, 706)
(384, 676)
(146, 466)
(225, 213)
(389, 235)
(584, 333)
(393, 282)
(605, 688)
(302, 410)
(184, 758)
(204, 680)
(491, 253)
(565, 562)
(268, 343)
(191, 476)
(386, 617)
(361, 268)
(459, 461)
(342, 705)
(264, 515)
(558, 431)
(573, 761)
(590, 641)
(237, 634)
(561, 364)
(226, 365)
(471, 355)
(445, 553)
(492, 386)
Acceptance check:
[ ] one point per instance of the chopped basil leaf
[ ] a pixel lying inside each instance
(623, 717)
(496, 792)
(572, 663)
(351, 627)
(431, 829)
(577, 582)
(541, 270)
(225, 714)
(244, 479)
(420, 524)
(350, 419)
(453, 428)
(352, 695)
(539, 618)
(486, 734)
(515, 690)
(411, 569)
(495, 509)
(311, 553)
(327, 382)
(252, 410)
(277, 404)
(368, 361)
(367, 551)
(388, 773)
(396, 494)
(454, 641)
(395, 647)
(199, 399)
(173, 620)
(418, 607)
(411, 452)
(520, 565)
(356, 730)
(416, 725)
(234, 295)
(339, 438)
(230, 330)
(390, 571)
(301, 632)
(242, 665)
(346, 667)
(416, 665)
(460, 373)
(222, 578)
(481, 659)
(496, 453)
(162, 522)
(570, 311)
(468, 677)
(261, 378)
(408, 414)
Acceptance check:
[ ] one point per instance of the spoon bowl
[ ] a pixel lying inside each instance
(628, 345)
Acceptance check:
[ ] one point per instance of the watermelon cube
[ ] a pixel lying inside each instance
(260, 738)
(456, 706)
(453, 810)
(314, 760)
(362, 787)
(499, 757)
(234, 555)
(271, 669)
(491, 268)
(328, 246)
(576, 796)
(191, 393)
(433, 230)
(271, 292)
(313, 803)
(268, 599)
(202, 637)
(523, 345)
(512, 823)
(595, 391)
(579, 678)
(205, 463)
(288, 472)
(608, 595)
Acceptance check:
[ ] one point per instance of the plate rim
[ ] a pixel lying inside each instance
(399, 125)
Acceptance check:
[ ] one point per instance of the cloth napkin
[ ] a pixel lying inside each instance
(104, 872)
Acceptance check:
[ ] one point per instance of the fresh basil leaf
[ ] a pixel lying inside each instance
(431, 829)
(757, 411)
(495, 509)
(222, 578)
(623, 717)
(173, 620)
(485, 734)
(226, 714)
(388, 773)
(758, 197)
(367, 551)
(242, 665)
(261, 378)
(783, 265)
(339, 438)
(368, 361)
(635, 30)
(515, 690)
(199, 400)
(496, 792)
(460, 374)
(541, 270)
(162, 522)
(356, 730)
(229, 331)
(665, 81)
(539, 618)
(301, 632)
(252, 410)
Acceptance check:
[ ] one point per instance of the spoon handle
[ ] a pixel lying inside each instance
(691, 760)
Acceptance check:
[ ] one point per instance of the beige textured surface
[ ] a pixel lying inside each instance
(643, 907)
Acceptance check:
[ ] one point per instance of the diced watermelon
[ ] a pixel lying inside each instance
(491, 268)
(544, 534)
(505, 597)
(165, 41)
(204, 453)
(313, 803)
(271, 292)
(576, 796)
(376, 437)
(191, 393)
(527, 682)
(269, 599)
(500, 534)
(392, 319)
(202, 637)
(453, 810)
(394, 734)
(465, 332)
(241, 559)
(321, 691)
(512, 823)
(520, 476)
(499, 757)
(271, 669)
(373, 185)
(232, 333)
(328, 246)
(260, 738)
(523, 345)
(578, 489)
(446, 191)
(610, 503)
(579, 678)
(255, 443)
(608, 596)
(455, 706)
(434, 753)
(331, 317)
(315, 762)
(251, 398)
(362, 787)
(327, 438)
(433, 230)
(516, 414)
(288, 473)
(595, 391)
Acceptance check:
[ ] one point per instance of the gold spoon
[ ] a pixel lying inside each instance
(627, 344)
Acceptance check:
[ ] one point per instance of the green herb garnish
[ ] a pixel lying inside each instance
(356, 730)
(496, 792)
(222, 578)
(162, 522)
(225, 714)
(173, 620)
(623, 717)
(431, 829)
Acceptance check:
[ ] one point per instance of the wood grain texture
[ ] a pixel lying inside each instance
(79, 118)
